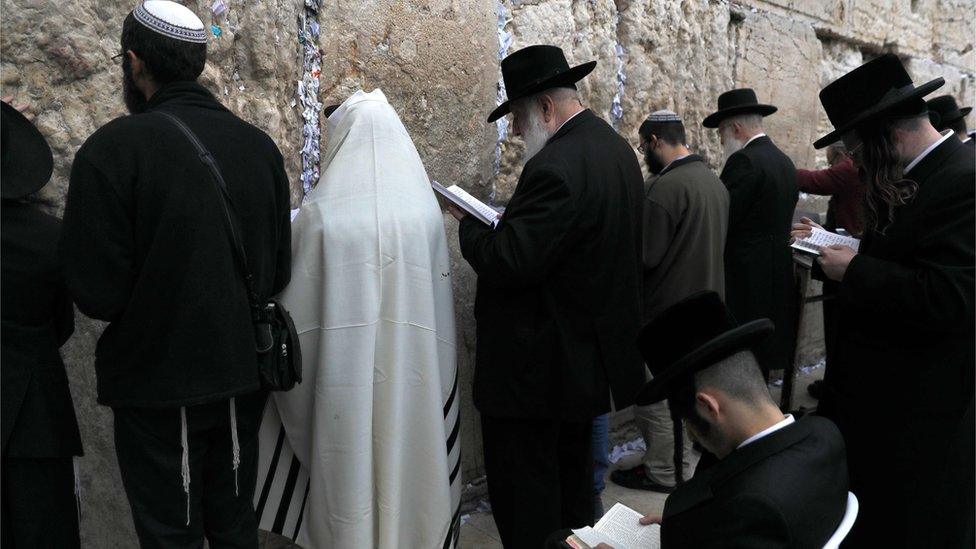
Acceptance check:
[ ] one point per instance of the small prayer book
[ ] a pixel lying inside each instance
(460, 198)
(619, 528)
(820, 238)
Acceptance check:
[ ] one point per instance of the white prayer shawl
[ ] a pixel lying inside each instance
(365, 451)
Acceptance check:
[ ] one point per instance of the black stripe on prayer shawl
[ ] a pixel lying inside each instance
(269, 480)
(450, 399)
(286, 495)
(301, 510)
(454, 473)
(454, 529)
(454, 434)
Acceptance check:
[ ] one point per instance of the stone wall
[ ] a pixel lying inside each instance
(437, 61)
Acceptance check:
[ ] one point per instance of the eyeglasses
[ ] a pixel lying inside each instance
(118, 56)
(642, 147)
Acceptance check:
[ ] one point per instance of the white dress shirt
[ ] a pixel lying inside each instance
(766, 432)
(925, 153)
(753, 138)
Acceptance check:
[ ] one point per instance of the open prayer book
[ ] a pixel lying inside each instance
(820, 238)
(619, 528)
(460, 198)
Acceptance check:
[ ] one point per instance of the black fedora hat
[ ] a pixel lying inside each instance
(689, 336)
(946, 111)
(735, 102)
(26, 162)
(534, 69)
(878, 87)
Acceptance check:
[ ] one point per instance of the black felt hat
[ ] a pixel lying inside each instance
(26, 162)
(879, 87)
(690, 336)
(736, 102)
(534, 69)
(946, 111)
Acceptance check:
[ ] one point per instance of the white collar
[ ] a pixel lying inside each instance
(567, 120)
(753, 138)
(925, 153)
(766, 432)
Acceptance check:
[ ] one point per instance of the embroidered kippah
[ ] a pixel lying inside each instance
(172, 20)
(663, 116)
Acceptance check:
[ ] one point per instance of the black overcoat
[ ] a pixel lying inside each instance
(903, 373)
(758, 263)
(146, 247)
(558, 298)
(37, 413)
(785, 490)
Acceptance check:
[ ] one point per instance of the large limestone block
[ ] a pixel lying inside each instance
(679, 57)
(779, 58)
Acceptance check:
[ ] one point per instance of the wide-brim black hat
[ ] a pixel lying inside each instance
(879, 87)
(26, 162)
(734, 103)
(690, 336)
(534, 69)
(946, 111)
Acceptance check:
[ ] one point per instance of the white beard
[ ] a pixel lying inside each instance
(535, 136)
(732, 146)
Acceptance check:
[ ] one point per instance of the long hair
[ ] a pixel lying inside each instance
(882, 172)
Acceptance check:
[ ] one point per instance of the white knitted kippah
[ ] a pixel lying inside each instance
(172, 20)
(663, 116)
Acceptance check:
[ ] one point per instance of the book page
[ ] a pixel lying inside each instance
(463, 200)
(820, 238)
(620, 528)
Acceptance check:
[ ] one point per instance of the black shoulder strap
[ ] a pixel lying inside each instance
(218, 180)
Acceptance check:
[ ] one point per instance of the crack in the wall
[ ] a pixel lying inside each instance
(308, 94)
(504, 42)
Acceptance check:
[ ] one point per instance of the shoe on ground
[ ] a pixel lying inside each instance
(636, 479)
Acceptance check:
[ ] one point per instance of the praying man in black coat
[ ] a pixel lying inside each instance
(147, 248)
(902, 380)
(761, 180)
(558, 300)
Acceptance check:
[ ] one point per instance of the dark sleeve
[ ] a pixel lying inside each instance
(529, 240)
(934, 289)
(96, 243)
(283, 254)
(829, 181)
(658, 232)
(740, 180)
(755, 522)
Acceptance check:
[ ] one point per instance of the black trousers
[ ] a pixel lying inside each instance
(540, 477)
(149, 449)
(39, 505)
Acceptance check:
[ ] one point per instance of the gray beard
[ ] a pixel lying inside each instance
(731, 147)
(535, 137)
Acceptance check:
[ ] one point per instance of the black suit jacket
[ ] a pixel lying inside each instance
(758, 263)
(905, 341)
(38, 417)
(558, 301)
(787, 489)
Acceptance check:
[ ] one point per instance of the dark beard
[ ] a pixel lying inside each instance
(135, 100)
(654, 165)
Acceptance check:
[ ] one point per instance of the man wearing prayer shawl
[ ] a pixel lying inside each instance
(365, 451)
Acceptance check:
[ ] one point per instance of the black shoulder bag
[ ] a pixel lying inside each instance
(278, 351)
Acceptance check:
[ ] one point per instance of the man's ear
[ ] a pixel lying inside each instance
(707, 406)
(548, 108)
(138, 66)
